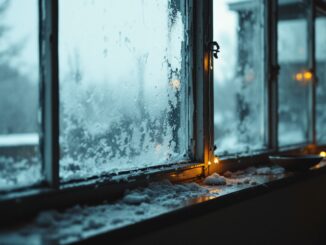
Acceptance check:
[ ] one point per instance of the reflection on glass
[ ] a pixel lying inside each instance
(321, 75)
(19, 82)
(294, 82)
(239, 99)
(123, 86)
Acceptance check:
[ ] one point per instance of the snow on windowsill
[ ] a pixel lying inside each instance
(31, 139)
(80, 222)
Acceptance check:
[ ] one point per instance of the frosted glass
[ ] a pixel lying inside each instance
(293, 87)
(19, 87)
(123, 86)
(321, 75)
(239, 94)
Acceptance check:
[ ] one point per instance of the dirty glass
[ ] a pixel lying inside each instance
(321, 76)
(19, 87)
(294, 84)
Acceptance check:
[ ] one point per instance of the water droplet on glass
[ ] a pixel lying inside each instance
(127, 40)
(105, 53)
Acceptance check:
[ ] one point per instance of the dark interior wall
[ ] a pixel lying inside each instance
(295, 214)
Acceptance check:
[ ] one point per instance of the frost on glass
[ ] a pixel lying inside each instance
(321, 75)
(19, 156)
(294, 84)
(123, 101)
(239, 104)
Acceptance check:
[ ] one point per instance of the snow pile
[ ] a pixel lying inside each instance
(248, 176)
(215, 179)
(238, 178)
(276, 170)
(143, 203)
(264, 171)
(136, 198)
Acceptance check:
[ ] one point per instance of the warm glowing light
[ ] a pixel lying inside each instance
(176, 84)
(298, 76)
(209, 163)
(206, 63)
(216, 160)
(322, 154)
(303, 76)
(307, 75)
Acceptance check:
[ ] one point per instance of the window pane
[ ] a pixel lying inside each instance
(123, 86)
(239, 87)
(294, 83)
(19, 83)
(321, 75)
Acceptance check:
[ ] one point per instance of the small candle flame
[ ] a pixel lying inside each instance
(303, 76)
(299, 76)
(322, 154)
(307, 75)
(216, 160)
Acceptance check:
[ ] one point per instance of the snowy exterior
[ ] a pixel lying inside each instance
(240, 105)
(124, 85)
(239, 82)
(294, 95)
(18, 172)
(19, 94)
(321, 75)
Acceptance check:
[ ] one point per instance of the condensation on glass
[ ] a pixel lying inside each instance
(123, 85)
(19, 87)
(239, 82)
(321, 76)
(294, 83)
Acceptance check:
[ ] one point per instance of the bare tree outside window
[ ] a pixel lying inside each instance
(19, 88)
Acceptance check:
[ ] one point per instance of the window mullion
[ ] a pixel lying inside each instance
(272, 68)
(50, 91)
(312, 68)
(203, 35)
(209, 89)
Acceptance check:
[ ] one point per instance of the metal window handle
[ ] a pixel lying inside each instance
(214, 48)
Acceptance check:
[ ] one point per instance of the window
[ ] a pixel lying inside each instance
(321, 76)
(239, 117)
(123, 85)
(295, 78)
(136, 98)
(19, 87)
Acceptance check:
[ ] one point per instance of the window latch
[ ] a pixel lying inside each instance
(214, 48)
